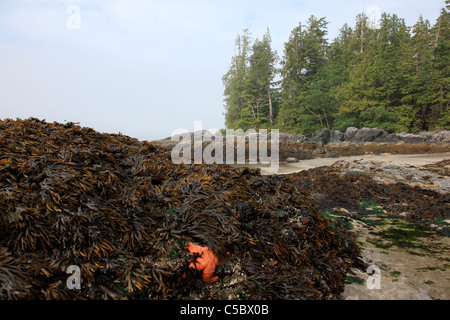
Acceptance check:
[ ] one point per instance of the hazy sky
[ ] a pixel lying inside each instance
(146, 67)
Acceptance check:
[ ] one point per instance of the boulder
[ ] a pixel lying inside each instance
(392, 138)
(410, 138)
(350, 133)
(336, 136)
(439, 136)
(322, 136)
(367, 134)
(291, 137)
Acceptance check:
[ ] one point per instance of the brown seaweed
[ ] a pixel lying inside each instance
(416, 204)
(122, 211)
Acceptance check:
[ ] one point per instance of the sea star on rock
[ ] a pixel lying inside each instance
(206, 262)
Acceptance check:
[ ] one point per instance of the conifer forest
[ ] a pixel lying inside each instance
(386, 75)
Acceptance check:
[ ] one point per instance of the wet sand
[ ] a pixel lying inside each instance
(399, 159)
(411, 268)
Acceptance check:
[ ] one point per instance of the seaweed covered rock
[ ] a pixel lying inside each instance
(344, 185)
(121, 211)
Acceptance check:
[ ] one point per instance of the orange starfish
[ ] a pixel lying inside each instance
(206, 262)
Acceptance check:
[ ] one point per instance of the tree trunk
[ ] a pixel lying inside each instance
(317, 115)
(253, 111)
(423, 125)
(320, 119)
(270, 107)
(326, 119)
(362, 36)
(438, 32)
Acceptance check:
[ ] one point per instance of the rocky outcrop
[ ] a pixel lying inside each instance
(354, 141)
(323, 136)
(334, 143)
(354, 135)
(291, 137)
(336, 136)
(374, 135)
(368, 134)
(350, 133)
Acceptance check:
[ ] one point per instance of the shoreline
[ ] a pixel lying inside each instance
(412, 261)
(397, 159)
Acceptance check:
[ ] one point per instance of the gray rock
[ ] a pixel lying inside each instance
(429, 137)
(291, 159)
(367, 134)
(322, 136)
(350, 133)
(336, 136)
(410, 138)
(439, 136)
(392, 138)
(291, 137)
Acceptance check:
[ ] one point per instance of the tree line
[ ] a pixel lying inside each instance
(388, 76)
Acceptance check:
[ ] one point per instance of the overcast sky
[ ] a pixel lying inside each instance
(147, 67)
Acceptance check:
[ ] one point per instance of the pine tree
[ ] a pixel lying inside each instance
(391, 76)
(237, 96)
(418, 92)
(321, 94)
(292, 83)
(441, 65)
(342, 57)
(313, 114)
(374, 90)
(304, 57)
(261, 74)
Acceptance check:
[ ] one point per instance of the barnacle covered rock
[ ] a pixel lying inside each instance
(122, 211)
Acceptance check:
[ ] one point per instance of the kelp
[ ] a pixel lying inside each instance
(123, 212)
(416, 204)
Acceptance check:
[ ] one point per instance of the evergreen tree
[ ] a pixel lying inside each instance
(441, 65)
(304, 57)
(373, 92)
(391, 61)
(342, 58)
(418, 93)
(237, 96)
(321, 94)
(390, 76)
(315, 101)
(292, 82)
(261, 74)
